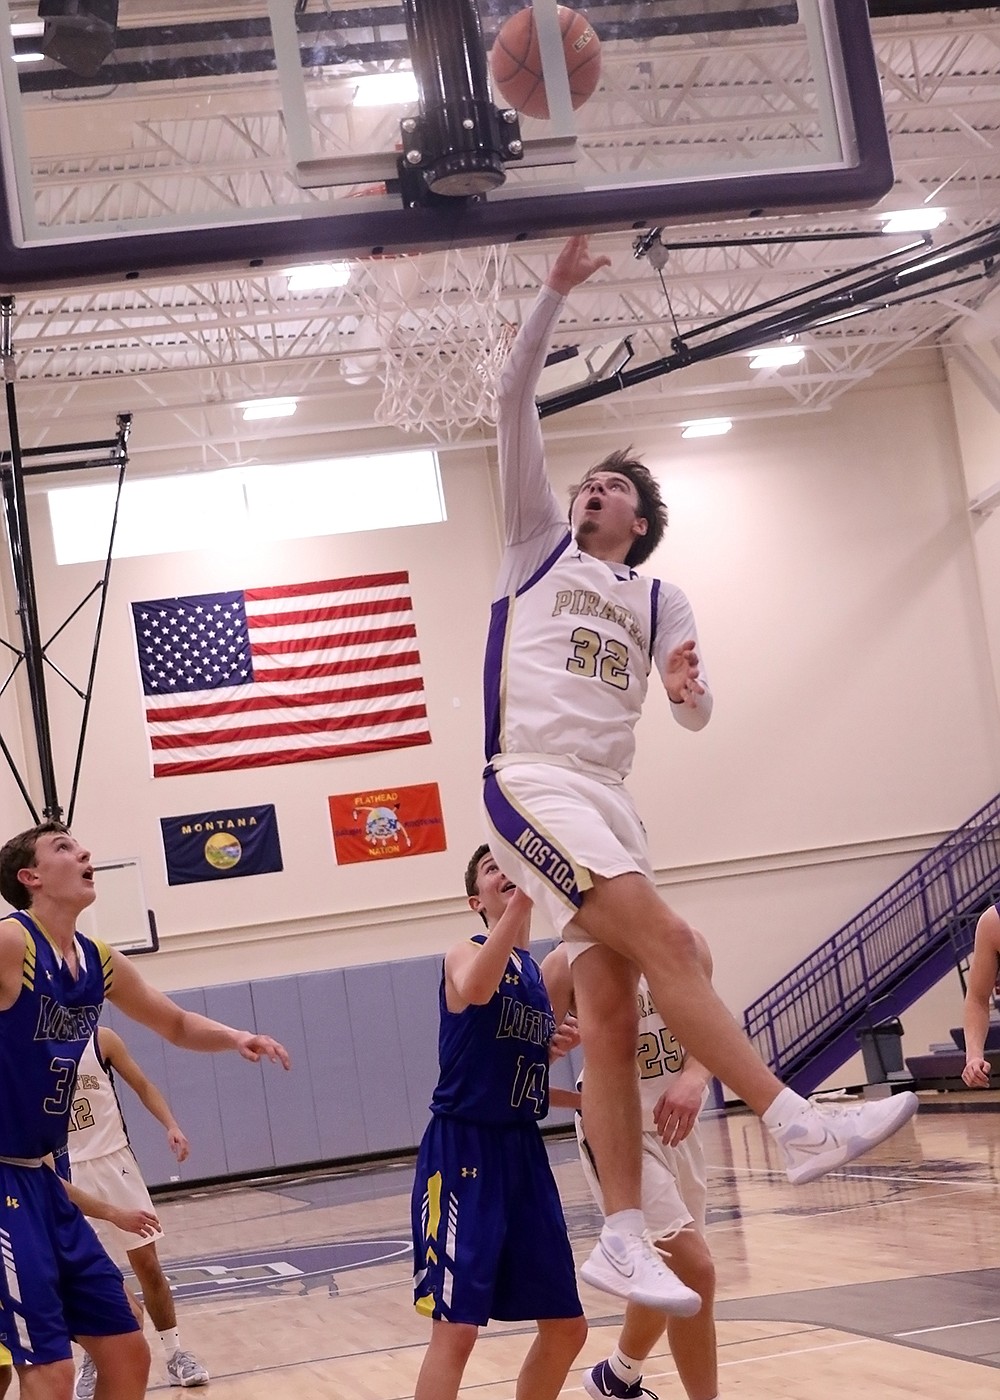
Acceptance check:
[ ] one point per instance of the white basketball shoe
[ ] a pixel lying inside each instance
(818, 1141)
(629, 1267)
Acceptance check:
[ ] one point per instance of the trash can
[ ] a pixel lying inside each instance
(882, 1050)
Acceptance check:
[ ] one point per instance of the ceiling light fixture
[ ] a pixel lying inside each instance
(386, 89)
(776, 356)
(913, 220)
(315, 277)
(269, 408)
(706, 427)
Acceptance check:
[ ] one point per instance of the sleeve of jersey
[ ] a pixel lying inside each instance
(674, 626)
(534, 522)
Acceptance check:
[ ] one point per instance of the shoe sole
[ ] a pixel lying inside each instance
(812, 1171)
(683, 1304)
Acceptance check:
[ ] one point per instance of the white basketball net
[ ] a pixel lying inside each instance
(436, 338)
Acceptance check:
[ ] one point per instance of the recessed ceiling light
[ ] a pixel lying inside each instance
(913, 220)
(315, 276)
(28, 29)
(29, 58)
(707, 427)
(269, 408)
(386, 89)
(776, 356)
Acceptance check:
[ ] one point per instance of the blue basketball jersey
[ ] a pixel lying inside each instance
(494, 1058)
(42, 1037)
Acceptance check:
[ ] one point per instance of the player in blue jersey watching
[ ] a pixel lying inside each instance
(58, 1283)
(489, 1236)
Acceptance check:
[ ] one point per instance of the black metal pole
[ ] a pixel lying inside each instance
(16, 509)
(458, 145)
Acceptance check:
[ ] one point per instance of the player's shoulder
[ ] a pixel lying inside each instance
(988, 927)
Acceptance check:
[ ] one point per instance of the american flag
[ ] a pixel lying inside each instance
(280, 675)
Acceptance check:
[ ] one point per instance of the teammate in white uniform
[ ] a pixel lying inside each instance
(672, 1090)
(573, 636)
(103, 1165)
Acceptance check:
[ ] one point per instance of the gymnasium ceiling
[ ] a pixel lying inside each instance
(179, 347)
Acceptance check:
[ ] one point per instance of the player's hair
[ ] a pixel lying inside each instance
(472, 874)
(651, 505)
(17, 853)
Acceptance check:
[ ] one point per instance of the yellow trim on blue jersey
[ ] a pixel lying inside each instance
(28, 962)
(425, 1306)
(104, 953)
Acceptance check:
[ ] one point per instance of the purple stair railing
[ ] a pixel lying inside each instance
(806, 1025)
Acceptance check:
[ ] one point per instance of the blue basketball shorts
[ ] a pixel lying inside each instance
(489, 1235)
(57, 1282)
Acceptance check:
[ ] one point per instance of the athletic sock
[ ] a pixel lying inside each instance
(626, 1222)
(786, 1106)
(626, 1368)
(170, 1341)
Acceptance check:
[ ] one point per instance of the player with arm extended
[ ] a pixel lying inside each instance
(672, 1089)
(489, 1236)
(574, 634)
(58, 1282)
(102, 1163)
(982, 981)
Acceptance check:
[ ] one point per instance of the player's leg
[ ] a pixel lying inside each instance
(625, 913)
(122, 1363)
(445, 1360)
(52, 1381)
(550, 1356)
(183, 1368)
(692, 1339)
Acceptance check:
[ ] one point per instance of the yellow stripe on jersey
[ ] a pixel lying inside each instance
(425, 1306)
(5, 1357)
(104, 953)
(28, 963)
(433, 1206)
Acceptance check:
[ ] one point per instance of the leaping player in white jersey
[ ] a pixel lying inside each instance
(574, 634)
(102, 1164)
(673, 1090)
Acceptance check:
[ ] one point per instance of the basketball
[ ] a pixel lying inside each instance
(516, 63)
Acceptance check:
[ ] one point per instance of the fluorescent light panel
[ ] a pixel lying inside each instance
(707, 427)
(913, 220)
(386, 89)
(776, 356)
(269, 408)
(315, 276)
(29, 58)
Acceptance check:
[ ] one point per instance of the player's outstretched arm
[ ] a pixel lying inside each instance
(976, 1015)
(115, 1052)
(133, 1222)
(472, 971)
(132, 994)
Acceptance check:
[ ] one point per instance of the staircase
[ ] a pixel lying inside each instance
(807, 1025)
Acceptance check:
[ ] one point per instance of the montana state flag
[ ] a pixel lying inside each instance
(221, 845)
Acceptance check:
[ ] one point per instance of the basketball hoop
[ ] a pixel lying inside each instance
(442, 339)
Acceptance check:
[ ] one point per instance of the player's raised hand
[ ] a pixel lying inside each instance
(575, 264)
(178, 1144)
(257, 1047)
(681, 677)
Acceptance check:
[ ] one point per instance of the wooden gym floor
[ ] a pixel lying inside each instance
(882, 1280)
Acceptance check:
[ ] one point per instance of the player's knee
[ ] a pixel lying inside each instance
(456, 1339)
(564, 1334)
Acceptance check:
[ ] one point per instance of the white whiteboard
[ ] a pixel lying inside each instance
(120, 915)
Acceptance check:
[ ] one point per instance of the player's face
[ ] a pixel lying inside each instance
(605, 514)
(494, 890)
(62, 871)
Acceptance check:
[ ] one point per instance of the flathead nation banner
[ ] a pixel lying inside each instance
(221, 845)
(382, 825)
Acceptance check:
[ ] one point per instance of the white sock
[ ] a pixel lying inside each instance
(626, 1368)
(170, 1340)
(786, 1106)
(625, 1222)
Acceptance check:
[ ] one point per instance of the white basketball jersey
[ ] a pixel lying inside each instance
(96, 1126)
(568, 662)
(658, 1056)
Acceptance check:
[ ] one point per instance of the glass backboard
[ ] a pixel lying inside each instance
(254, 132)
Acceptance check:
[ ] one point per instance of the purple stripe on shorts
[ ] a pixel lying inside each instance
(533, 847)
(493, 674)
